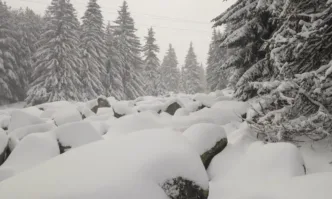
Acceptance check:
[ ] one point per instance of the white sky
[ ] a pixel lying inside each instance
(175, 21)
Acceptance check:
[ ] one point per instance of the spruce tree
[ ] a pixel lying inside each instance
(28, 27)
(129, 47)
(170, 72)
(191, 73)
(11, 85)
(216, 75)
(203, 77)
(56, 69)
(151, 65)
(93, 47)
(249, 23)
(114, 85)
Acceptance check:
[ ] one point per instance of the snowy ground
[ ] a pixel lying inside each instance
(136, 149)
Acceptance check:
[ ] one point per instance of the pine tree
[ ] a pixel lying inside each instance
(152, 65)
(129, 47)
(191, 73)
(170, 72)
(93, 70)
(11, 86)
(114, 63)
(57, 59)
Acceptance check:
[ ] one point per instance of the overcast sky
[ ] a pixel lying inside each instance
(175, 21)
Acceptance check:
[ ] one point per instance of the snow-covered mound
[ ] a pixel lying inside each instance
(207, 139)
(124, 168)
(21, 118)
(66, 115)
(76, 134)
(3, 145)
(18, 134)
(136, 122)
(262, 164)
(204, 136)
(33, 150)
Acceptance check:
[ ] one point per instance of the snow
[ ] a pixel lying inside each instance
(3, 141)
(105, 111)
(206, 100)
(204, 136)
(216, 115)
(33, 150)
(124, 107)
(136, 122)
(66, 115)
(77, 134)
(165, 155)
(253, 168)
(33, 111)
(181, 112)
(19, 133)
(4, 121)
(20, 119)
(232, 107)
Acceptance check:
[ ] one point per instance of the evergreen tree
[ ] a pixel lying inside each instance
(93, 70)
(203, 77)
(170, 72)
(57, 59)
(191, 73)
(28, 28)
(249, 23)
(216, 76)
(151, 65)
(11, 85)
(129, 47)
(114, 63)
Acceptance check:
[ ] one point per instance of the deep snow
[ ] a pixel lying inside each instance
(132, 156)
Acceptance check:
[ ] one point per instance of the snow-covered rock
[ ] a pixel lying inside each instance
(4, 121)
(136, 122)
(181, 112)
(76, 134)
(122, 168)
(217, 116)
(3, 145)
(207, 139)
(19, 133)
(261, 164)
(66, 115)
(123, 108)
(33, 150)
(33, 111)
(21, 119)
(232, 107)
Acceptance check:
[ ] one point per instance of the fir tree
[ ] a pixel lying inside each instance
(57, 59)
(114, 65)
(129, 47)
(93, 70)
(191, 73)
(170, 72)
(11, 85)
(151, 65)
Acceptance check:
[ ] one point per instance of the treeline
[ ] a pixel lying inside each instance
(56, 57)
(280, 55)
